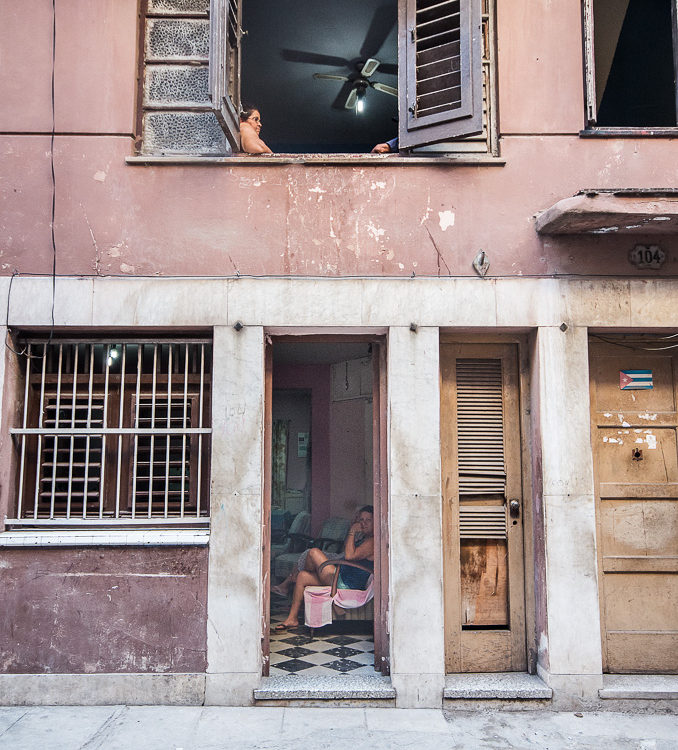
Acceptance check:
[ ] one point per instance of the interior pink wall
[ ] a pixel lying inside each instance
(315, 378)
(348, 472)
(295, 408)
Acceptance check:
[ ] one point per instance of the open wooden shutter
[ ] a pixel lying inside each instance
(224, 66)
(589, 64)
(439, 58)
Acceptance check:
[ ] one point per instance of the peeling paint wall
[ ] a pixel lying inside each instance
(314, 219)
(103, 610)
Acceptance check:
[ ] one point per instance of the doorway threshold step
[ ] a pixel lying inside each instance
(496, 686)
(639, 687)
(317, 687)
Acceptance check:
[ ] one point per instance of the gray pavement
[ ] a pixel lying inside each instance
(196, 728)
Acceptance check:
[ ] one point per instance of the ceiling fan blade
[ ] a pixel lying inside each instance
(383, 21)
(384, 88)
(351, 99)
(331, 77)
(388, 68)
(340, 99)
(369, 68)
(315, 58)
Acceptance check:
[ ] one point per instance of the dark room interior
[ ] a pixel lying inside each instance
(287, 42)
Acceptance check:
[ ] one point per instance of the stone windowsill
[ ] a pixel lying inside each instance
(273, 160)
(106, 538)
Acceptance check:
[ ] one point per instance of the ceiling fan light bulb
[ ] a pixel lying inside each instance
(360, 104)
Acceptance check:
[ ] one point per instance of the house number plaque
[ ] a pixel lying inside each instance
(647, 256)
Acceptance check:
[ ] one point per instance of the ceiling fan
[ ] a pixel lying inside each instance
(361, 69)
(355, 99)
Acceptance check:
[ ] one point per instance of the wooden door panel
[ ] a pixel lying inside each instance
(632, 601)
(658, 462)
(636, 507)
(484, 582)
(642, 652)
(483, 547)
(639, 529)
(483, 650)
(609, 397)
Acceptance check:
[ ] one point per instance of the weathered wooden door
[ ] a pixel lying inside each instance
(482, 509)
(634, 414)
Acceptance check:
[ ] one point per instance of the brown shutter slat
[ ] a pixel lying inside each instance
(482, 522)
(440, 64)
(437, 35)
(480, 427)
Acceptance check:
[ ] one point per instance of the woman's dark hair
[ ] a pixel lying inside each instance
(367, 509)
(247, 110)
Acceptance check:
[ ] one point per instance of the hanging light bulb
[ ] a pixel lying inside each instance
(360, 102)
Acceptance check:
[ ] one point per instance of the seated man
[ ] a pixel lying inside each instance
(250, 127)
(386, 148)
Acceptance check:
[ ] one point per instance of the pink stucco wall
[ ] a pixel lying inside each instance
(103, 610)
(114, 218)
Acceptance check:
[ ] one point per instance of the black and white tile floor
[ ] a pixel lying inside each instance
(293, 651)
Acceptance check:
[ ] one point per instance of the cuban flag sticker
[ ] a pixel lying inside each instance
(635, 380)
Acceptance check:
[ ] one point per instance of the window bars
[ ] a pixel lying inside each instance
(114, 432)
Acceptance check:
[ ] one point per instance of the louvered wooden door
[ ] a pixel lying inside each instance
(482, 509)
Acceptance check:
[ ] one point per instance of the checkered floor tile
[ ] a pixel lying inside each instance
(293, 651)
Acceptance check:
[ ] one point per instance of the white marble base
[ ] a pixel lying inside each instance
(498, 686)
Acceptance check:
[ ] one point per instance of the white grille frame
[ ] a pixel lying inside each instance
(174, 374)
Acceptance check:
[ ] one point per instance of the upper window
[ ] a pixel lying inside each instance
(113, 431)
(632, 58)
(327, 77)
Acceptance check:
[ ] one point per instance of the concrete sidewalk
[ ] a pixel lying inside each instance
(196, 728)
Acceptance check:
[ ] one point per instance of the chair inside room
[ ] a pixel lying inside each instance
(331, 539)
(324, 605)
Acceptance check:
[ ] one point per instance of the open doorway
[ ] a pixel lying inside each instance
(324, 467)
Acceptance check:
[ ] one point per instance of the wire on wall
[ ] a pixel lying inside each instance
(24, 350)
(51, 161)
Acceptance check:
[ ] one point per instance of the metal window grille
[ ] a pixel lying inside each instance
(114, 432)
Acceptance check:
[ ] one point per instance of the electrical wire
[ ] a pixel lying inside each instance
(8, 334)
(51, 160)
(637, 343)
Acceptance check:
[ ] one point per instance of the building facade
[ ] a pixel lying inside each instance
(482, 327)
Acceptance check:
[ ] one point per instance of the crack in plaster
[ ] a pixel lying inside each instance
(97, 253)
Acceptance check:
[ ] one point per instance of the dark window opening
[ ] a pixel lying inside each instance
(635, 63)
(286, 47)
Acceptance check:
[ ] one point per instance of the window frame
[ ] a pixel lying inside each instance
(590, 91)
(174, 380)
(225, 56)
(225, 66)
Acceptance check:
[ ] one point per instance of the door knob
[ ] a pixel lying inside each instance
(514, 508)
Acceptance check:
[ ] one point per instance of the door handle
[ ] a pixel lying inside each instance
(514, 508)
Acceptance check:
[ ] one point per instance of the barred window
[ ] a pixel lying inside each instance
(114, 432)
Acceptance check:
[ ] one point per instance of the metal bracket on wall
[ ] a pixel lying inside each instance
(481, 264)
